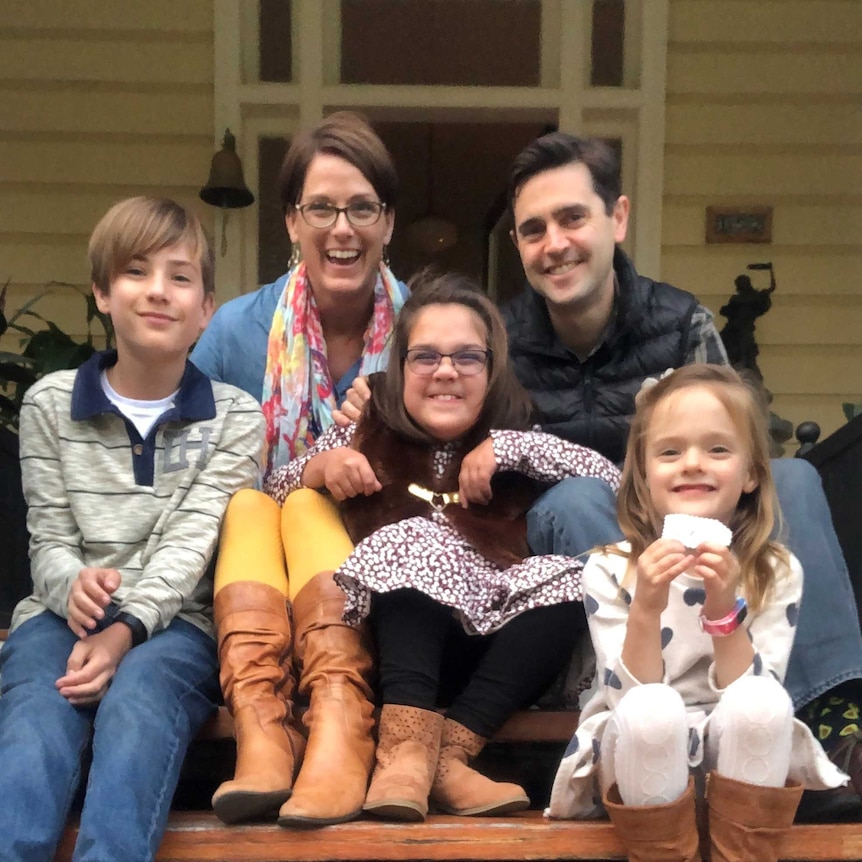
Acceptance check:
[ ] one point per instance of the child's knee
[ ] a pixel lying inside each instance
(652, 714)
(758, 702)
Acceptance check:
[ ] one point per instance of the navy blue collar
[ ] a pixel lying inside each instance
(194, 401)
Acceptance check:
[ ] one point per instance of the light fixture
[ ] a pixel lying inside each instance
(431, 234)
(226, 186)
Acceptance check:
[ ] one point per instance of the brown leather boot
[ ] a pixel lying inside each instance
(458, 789)
(407, 749)
(335, 671)
(657, 833)
(748, 823)
(254, 653)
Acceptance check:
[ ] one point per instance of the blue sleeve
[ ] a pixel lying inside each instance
(209, 352)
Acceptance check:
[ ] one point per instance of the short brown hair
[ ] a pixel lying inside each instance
(349, 136)
(557, 149)
(506, 404)
(140, 226)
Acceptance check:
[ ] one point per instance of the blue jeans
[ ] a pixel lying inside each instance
(578, 514)
(135, 740)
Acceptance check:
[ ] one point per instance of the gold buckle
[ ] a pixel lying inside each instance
(438, 501)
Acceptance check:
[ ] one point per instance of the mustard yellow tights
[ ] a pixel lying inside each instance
(258, 536)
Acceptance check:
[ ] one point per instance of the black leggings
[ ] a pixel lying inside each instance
(426, 659)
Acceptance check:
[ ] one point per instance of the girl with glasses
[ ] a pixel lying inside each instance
(296, 345)
(434, 483)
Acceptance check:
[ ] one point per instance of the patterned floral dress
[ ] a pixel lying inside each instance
(428, 554)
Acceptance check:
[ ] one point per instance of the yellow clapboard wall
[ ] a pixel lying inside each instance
(764, 106)
(99, 99)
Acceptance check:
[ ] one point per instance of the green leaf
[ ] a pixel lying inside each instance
(24, 310)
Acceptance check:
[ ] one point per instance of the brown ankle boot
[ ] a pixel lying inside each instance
(657, 833)
(254, 652)
(747, 822)
(458, 789)
(407, 749)
(335, 669)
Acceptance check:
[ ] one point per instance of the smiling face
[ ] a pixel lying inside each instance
(697, 460)
(157, 305)
(341, 258)
(446, 404)
(565, 237)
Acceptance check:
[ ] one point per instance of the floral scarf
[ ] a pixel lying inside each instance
(298, 390)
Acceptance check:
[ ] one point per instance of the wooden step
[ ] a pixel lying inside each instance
(200, 837)
(530, 725)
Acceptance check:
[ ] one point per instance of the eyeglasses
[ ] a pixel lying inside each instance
(360, 213)
(424, 361)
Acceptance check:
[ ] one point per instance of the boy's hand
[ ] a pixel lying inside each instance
(477, 468)
(90, 593)
(93, 663)
(354, 401)
(346, 473)
(657, 566)
(719, 568)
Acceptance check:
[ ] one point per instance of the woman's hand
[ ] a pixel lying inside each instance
(657, 566)
(719, 568)
(477, 468)
(354, 401)
(343, 472)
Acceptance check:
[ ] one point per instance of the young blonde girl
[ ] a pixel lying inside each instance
(435, 481)
(692, 642)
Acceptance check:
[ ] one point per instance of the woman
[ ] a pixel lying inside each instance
(296, 345)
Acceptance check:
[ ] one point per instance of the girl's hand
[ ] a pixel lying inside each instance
(656, 567)
(719, 568)
(346, 473)
(477, 468)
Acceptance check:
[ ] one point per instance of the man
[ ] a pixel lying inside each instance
(584, 336)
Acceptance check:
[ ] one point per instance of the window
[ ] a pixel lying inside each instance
(573, 65)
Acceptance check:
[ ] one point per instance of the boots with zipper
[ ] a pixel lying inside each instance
(657, 833)
(747, 822)
(458, 789)
(256, 677)
(335, 667)
(407, 749)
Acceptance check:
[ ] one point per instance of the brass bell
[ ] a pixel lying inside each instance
(226, 186)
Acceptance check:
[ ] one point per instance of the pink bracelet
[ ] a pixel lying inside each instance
(726, 625)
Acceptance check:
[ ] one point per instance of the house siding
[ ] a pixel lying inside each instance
(763, 107)
(96, 104)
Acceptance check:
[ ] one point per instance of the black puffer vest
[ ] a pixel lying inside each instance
(592, 402)
(498, 531)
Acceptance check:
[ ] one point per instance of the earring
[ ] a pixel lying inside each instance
(295, 256)
(385, 256)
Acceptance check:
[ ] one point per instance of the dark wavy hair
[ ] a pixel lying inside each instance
(506, 403)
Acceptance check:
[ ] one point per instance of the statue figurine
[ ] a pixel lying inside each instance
(741, 311)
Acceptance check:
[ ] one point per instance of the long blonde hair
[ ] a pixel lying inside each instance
(757, 511)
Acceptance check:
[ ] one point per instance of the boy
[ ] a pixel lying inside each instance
(127, 466)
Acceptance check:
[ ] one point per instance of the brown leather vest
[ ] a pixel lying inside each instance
(497, 531)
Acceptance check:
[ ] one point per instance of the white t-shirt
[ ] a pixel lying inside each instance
(142, 414)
